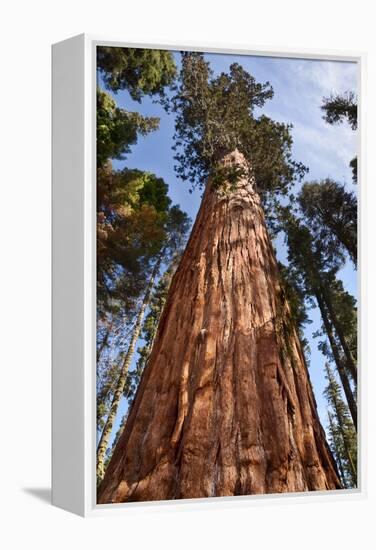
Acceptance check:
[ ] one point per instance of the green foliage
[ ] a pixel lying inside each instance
(338, 108)
(314, 271)
(354, 169)
(316, 274)
(345, 306)
(139, 71)
(331, 214)
(118, 129)
(177, 226)
(228, 175)
(215, 116)
(342, 435)
(311, 262)
(135, 222)
(132, 209)
(296, 299)
(346, 313)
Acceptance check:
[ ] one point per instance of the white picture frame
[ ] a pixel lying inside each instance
(74, 269)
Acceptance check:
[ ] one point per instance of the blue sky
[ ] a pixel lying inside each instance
(299, 86)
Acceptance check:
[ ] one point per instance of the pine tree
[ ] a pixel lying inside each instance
(345, 307)
(297, 302)
(339, 108)
(331, 214)
(118, 129)
(137, 70)
(336, 446)
(339, 361)
(342, 432)
(132, 208)
(317, 276)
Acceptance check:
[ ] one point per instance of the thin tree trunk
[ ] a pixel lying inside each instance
(106, 433)
(350, 361)
(104, 393)
(104, 342)
(225, 405)
(337, 452)
(108, 386)
(347, 452)
(338, 360)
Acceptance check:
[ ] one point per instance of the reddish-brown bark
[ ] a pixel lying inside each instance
(225, 405)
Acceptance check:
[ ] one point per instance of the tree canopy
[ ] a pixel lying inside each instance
(135, 221)
(342, 435)
(137, 70)
(216, 115)
(341, 107)
(118, 129)
(331, 213)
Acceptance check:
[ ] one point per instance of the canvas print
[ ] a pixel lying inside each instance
(226, 275)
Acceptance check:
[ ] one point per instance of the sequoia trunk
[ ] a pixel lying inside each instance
(225, 405)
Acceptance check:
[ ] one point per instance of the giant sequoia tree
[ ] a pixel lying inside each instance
(137, 70)
(225, 405)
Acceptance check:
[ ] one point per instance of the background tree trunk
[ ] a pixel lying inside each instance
(336, 449)
(337, 326)
(120, 385)
(225, 405)
(343, 428)
(338, 361)
(104, 341)
(345, 443)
